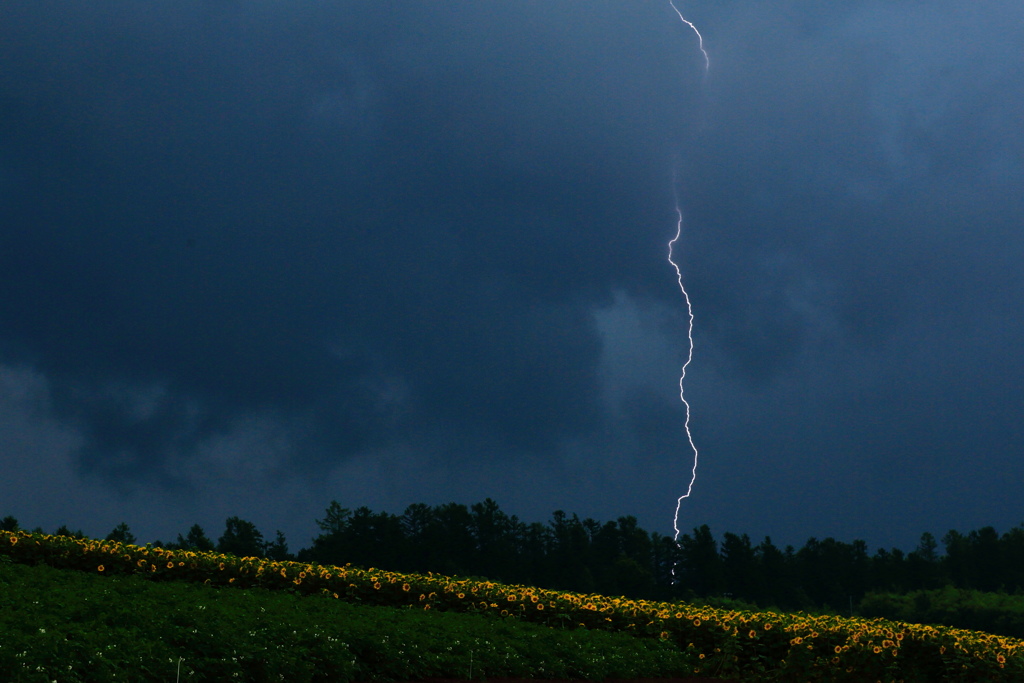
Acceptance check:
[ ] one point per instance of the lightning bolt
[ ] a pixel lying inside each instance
(686, 298)
(700, 38)
(689, 357)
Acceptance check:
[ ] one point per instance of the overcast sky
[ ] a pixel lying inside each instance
(256, 256)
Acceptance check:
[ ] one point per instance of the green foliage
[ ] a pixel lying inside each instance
(976, 610)
(77, 627)
(736, 643)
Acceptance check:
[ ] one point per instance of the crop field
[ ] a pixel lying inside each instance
(157, 614)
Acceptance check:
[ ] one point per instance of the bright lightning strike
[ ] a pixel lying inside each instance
(686, 297)
(700, 38)
(689, 357)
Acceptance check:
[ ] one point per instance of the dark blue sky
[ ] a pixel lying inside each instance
(256, 256)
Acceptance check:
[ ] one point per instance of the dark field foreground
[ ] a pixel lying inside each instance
(106, 611)
(607, 680)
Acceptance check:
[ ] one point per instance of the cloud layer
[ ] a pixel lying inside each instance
(342, 247)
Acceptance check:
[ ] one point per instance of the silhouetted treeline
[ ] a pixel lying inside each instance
(620, 558)
(832, 575)
(481, 540)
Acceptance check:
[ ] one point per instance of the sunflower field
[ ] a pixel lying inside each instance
(745, 645)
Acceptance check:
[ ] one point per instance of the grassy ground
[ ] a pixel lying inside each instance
(65, 625)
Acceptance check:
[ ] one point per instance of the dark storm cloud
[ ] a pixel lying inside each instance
(852, 166)
(368, 222)
(855, 214)
(430, 238)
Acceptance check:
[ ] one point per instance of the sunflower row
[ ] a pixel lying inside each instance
(725, 642)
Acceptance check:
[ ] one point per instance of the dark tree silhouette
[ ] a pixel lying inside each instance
(923, 567)
(700, 567)
(1012, 555)
(987, 564)
(278, 549)
(122, 534)
(195, 540)
(739, 566)
(959, 563)
(493, 534)
(241, 538)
